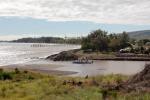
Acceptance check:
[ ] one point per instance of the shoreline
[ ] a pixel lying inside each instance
(39, 68)
(124, 59)
(76, 54)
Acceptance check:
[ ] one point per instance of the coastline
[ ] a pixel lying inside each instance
(76, 54)
(124, 59)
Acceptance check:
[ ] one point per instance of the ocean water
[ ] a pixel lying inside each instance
(19, 53)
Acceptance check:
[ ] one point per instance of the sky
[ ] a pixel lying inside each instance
(71, 18)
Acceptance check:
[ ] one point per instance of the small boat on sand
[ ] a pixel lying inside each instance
(83, 61)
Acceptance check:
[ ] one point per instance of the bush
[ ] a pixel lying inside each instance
(5, 76)
(17, 71)
(30, 77)
(1, 70)
(25, 71)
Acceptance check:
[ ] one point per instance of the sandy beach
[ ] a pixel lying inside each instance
(39, 68)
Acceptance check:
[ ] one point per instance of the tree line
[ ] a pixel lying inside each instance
(100, 40)
(49, 40)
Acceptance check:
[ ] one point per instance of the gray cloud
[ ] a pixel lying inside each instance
(100, 11)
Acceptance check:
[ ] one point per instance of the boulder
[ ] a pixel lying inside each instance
(143, 76)
(139, 82)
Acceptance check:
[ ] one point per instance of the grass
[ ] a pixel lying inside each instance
(24, 85)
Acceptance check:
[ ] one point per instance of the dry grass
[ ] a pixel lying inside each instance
(25, 85)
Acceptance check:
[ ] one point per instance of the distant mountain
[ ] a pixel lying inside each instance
(144, 34)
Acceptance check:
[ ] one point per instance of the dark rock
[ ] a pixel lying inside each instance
(143, 76)
(64, 56)
(79, 83)
(139, 82)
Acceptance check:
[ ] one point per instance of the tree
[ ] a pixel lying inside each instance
(97, 41)
(114, 44)
(124, 42)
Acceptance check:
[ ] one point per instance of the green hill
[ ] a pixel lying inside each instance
(144, 34)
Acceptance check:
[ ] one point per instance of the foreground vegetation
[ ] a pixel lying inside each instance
(24, 85)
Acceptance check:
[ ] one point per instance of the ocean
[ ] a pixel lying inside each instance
(18, 53)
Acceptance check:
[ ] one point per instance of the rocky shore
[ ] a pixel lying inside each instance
(77, 53)
(138, 82)
(64, 56)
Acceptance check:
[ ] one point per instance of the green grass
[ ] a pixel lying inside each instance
(24, 85)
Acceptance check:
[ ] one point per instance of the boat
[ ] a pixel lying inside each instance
(83, 62)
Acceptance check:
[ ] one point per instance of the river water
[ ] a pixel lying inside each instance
(32, 53)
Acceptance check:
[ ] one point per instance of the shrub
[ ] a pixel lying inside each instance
(5, 76)
(30, 77)
(1, 70)
(17, 71)
(25, 71)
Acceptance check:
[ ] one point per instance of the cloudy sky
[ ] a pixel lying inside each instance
(21, 18)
